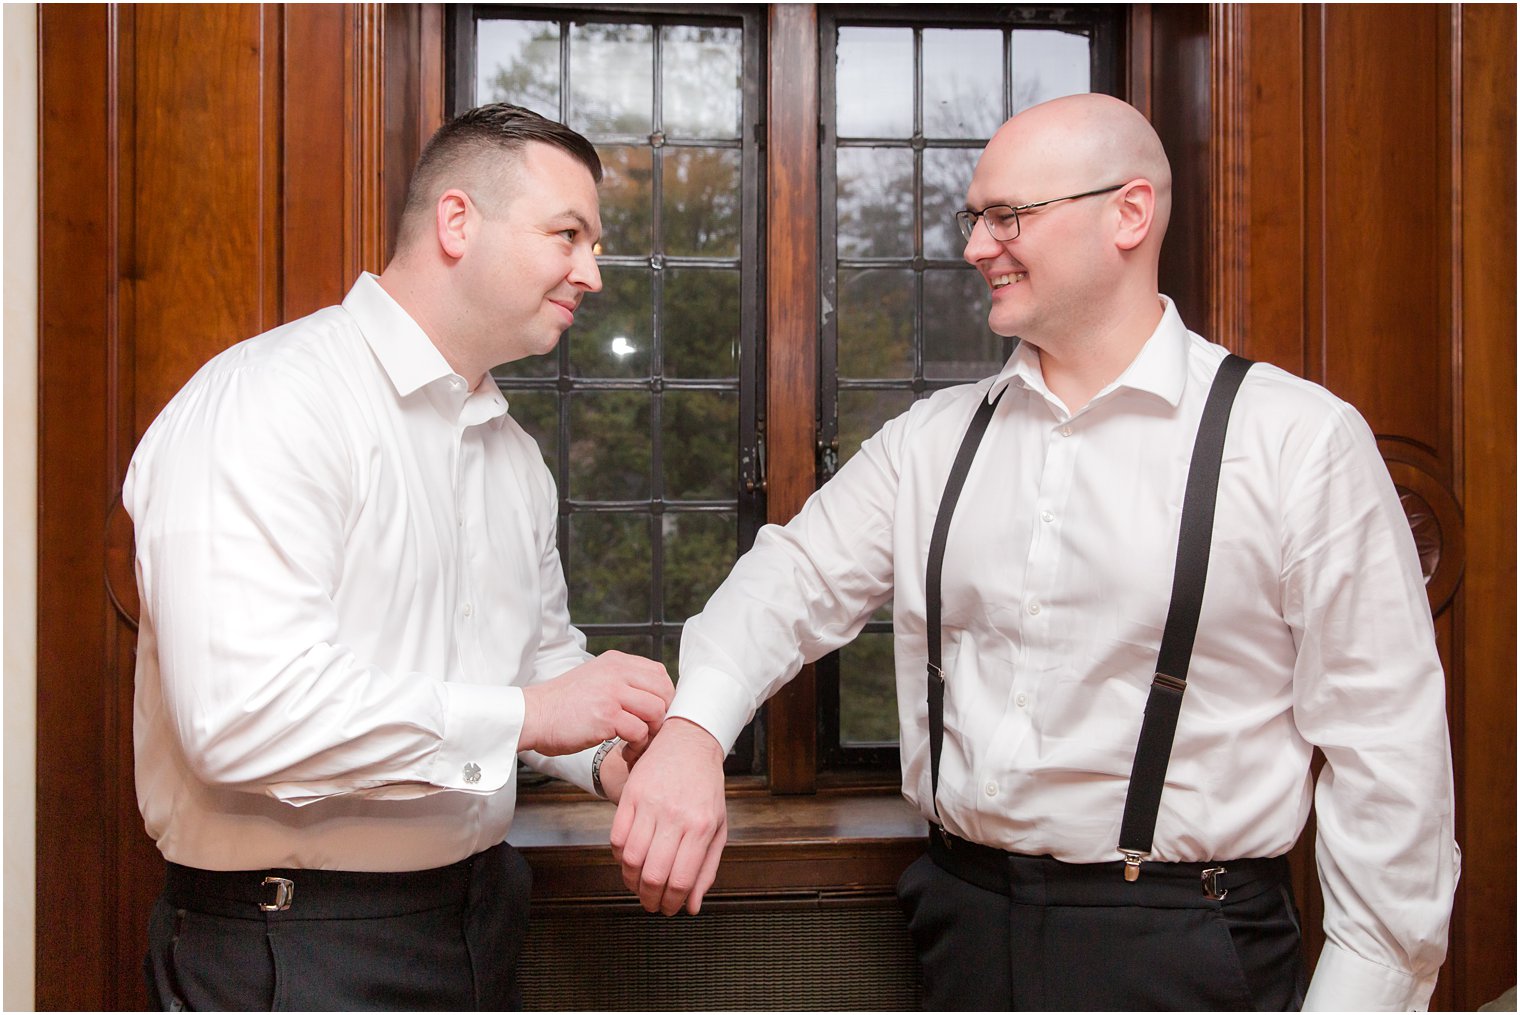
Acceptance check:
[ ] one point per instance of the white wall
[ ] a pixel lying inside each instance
(18, 558)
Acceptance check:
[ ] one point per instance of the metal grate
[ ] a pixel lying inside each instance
(812, 955)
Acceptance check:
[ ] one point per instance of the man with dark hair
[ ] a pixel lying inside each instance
(354, 617)
(1080, 857)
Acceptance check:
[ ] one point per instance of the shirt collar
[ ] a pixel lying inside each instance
(409, 357)
(1159, 369)
(413, 362)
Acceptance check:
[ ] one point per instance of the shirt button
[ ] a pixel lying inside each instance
(1034, 608)
(1065, 431)
(468, 609)
(991, 789)
(1046, 516)
(1022, 700)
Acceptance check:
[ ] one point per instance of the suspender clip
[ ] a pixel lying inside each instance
(1132, 861)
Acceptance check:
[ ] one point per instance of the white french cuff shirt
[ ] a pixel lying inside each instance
(1315, 631)
(347, 568)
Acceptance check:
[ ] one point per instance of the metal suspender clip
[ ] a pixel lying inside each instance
(1132, 861)
(1170, 682)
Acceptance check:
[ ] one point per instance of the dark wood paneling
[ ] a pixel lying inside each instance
(201, 183)
(1484, 709)
(1179, 100)
(315, 158)
(792, 338)
(74, 754)
(1373, 148)
(1386, 251)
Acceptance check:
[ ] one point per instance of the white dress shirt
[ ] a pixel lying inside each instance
(1315, 630)
(347, 565)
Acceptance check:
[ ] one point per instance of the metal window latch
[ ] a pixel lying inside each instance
(284, 893)
(1132, 861)
(1211, 887)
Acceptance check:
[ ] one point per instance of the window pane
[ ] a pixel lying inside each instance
(947, 177)
(518, 61)
(867, 692)
(537, 412)
(546, 365)
(626, 196)
(875, 82)
(609, 445)
(700, 67)
(699, 552)
(700, 431)
(861, 414)
(701, 323)
(875, 202)
(963, 82)
(958, 344)
(611, 334)
(1047, 65)
(702, 202)
(609, 574)
(875, 322)
(633, 644)
(612, 78)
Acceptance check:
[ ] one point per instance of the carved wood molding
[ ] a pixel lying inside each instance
(1229, 166)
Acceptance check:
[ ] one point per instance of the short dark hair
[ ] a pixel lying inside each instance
(498, 128)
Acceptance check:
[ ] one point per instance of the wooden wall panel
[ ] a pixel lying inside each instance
(1385, 256)
(204, 178)
(1483, 963)
(1372, 148)
(74, 705)
(792, 338)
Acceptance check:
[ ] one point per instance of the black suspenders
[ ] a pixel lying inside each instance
(1160, 723)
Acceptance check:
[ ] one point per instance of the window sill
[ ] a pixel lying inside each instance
(831, 844)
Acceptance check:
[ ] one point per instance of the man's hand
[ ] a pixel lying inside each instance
(612, 695)
(671, 821)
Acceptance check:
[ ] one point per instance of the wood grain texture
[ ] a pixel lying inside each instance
(1484, 937)
(74, 756)
(792, 339)
(1378, 259)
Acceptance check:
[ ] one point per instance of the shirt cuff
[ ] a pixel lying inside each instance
(1344, 981)
(572, 768)
(481, 727)
(714, 701)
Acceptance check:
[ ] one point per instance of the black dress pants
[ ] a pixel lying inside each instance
(1036, 934)
(446, 939)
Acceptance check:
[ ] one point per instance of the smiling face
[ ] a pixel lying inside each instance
(1077, 266)
(1041, 280)
(531, 257)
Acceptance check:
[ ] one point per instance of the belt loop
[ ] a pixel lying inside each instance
(284, 895)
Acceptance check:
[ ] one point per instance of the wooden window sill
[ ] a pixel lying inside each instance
(831, 844)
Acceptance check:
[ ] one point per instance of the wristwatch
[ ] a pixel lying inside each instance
(596, 764)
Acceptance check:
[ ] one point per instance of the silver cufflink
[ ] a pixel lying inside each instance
(472, 773)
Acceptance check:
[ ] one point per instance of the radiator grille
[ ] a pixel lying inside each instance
(808, 955)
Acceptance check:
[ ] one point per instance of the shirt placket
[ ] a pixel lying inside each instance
(1035, 656)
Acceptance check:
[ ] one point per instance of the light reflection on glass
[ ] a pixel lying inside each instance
(963, 82)
(518, 62)
(1048, 64)
(700, 67)
(875, 82)
(612, 78)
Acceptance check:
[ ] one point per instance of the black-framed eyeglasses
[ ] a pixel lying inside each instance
(1003, 219)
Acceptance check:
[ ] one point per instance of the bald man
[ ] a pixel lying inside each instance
(1057, 576)
(354, 616)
